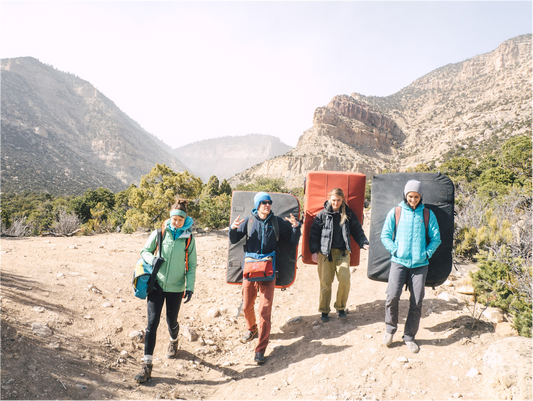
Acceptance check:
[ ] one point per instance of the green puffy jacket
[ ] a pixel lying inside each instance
(172, 276)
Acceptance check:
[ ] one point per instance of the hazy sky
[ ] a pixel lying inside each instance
(188, 71)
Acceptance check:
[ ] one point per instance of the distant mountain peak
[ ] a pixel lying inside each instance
(228, 155)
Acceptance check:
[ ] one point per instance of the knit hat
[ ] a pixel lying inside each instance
(261, 196)
(413, 186)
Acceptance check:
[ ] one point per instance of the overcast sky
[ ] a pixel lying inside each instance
(188, 71)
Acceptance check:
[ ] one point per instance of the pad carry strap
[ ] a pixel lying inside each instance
(151, 282)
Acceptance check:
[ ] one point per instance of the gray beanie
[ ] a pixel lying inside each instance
(413, 186)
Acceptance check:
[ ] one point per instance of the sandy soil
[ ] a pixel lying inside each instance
(69, 317)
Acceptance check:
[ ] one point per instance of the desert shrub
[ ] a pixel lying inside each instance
(215, 211)
(516, 155)
(135, 219)
(98, 223)
(82, 205)
(496, 181)
(42, 218)
(299, 194)
(460, 169)
(465, 240)
(224, 188)
(501, 242)
(66, 223)
(211, 189)
(489, 281)
(264, 184)
(18, 228)
(215, 204)
(505, 282)
(5, 222)
(420, 168)
(490, 233)
(157, 192)
(368, 192)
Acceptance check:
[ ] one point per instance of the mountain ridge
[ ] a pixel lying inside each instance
(50, 110)
(455, 105)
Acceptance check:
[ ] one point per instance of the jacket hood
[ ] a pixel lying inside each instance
(184, 231)
(256, 215)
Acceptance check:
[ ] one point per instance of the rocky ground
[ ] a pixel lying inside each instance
(72, 329)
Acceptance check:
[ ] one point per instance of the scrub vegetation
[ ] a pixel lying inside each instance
(135, 209)
(493, 222)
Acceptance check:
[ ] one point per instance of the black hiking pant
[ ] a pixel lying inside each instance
(415, 278)
(156, 300)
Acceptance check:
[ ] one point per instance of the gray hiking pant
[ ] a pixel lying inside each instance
(415, 278)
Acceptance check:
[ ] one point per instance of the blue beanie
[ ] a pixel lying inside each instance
(261, 196)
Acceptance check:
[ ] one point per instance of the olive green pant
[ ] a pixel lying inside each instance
(339, 266)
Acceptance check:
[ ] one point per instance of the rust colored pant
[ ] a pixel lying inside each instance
(266, 298)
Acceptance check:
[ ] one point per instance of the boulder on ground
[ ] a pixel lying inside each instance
(507, 368)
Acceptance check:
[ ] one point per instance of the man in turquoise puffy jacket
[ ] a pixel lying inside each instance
(410, 253)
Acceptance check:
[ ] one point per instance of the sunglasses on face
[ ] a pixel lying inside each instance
(266, 202)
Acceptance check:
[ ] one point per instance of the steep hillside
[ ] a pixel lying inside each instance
(61, 135)
(485, 98)
(37, 163)
(227, 156)
(464, 103)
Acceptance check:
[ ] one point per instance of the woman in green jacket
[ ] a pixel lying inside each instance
(175, 280)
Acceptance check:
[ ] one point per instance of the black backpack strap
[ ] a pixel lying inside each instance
(153, 276)
(187, 244)
(159, 240)
(426, 223)
(275, 224)
(249, 228)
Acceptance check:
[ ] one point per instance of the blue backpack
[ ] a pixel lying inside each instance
(144, 275)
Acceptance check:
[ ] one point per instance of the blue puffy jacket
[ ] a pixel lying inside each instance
(409, 247)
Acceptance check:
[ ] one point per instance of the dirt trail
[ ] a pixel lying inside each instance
(68, 314)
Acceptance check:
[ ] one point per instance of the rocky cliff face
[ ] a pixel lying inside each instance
(354, 124)
(59, 134)
(484, 98)
(316, 153)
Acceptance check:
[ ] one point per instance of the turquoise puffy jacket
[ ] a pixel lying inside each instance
(409, 247)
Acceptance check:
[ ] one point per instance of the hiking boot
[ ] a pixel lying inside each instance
(146, 373)
(342, 314)
(324, 317)
(259, 358)
(172, 351)
(387, 339)
(412, 346)
(249, 336)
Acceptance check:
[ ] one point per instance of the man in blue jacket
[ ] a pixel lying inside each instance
(410, 254)
(262, 240)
